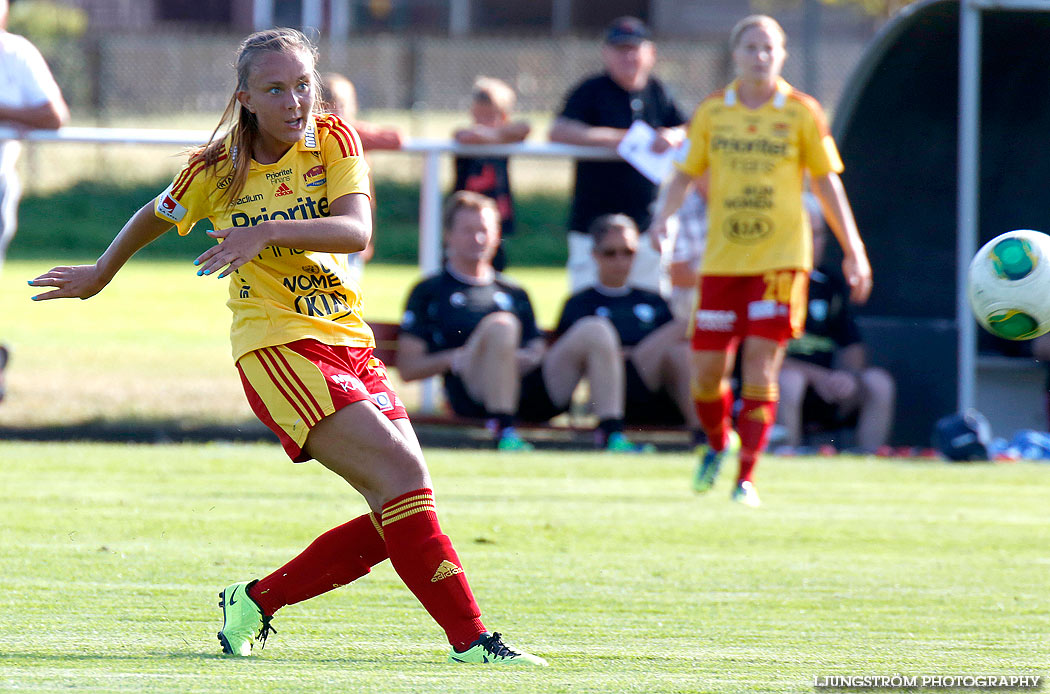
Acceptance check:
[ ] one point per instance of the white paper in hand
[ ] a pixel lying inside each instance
(636, 148)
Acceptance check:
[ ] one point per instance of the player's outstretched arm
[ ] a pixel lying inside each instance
(85, 281)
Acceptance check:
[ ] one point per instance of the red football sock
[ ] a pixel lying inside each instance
(425, 560)
(341, 555)
(714, 417)
(756, 418)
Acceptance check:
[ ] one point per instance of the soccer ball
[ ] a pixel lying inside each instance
(1009, 285)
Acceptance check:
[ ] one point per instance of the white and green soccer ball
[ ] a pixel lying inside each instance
(1009, 285)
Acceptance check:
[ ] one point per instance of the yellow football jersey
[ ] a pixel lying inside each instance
(284, 294)
(757, 159)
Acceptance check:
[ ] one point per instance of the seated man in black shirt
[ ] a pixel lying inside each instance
(655, 353)
(826, 381)
(477, 329)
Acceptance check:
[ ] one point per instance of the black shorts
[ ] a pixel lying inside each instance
(820, 415)
(534, 405)
(644, 406)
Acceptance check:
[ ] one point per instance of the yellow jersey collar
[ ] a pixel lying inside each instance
(779, 97)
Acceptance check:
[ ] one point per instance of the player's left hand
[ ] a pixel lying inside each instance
(239, 246)
(857, 272)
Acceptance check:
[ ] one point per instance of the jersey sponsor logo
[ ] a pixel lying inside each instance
(748, 229)
(314, 177)
(282, 176)
(765, 309)
(307, 208)
(224, 182)
(323, 305)
(759, 145)
(169, 208)
(715, 321)
(311, 282)
(248, 198)
(781, 129)
(283, 190)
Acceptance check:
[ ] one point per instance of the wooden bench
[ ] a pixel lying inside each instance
(447, 428)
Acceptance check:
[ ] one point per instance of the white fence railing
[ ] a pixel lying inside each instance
(432, 151)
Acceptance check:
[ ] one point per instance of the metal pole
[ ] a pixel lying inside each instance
(262, 15)
(340, 20)
(311, 17)
(968, 193)
(430, 243)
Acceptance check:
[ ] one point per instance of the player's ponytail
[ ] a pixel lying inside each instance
(240, 124)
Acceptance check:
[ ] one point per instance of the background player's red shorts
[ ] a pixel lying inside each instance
(771, 305)
(292, 387)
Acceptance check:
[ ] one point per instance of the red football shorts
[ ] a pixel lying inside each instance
(771, 305)
(292, 387)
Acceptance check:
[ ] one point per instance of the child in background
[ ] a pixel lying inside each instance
(492, 101)
(340, 96)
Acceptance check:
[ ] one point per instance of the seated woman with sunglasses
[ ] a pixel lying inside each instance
(655, 351)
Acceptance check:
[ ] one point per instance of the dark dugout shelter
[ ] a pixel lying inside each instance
(897, 126)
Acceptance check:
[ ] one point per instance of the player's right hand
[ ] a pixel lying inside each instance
(70, 282)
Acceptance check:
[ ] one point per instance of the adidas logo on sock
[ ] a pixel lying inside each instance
(444, 570)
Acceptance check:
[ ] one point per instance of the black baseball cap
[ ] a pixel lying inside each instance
(626, 30)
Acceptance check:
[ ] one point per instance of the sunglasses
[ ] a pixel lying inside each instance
(613, 252)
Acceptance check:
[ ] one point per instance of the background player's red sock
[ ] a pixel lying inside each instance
(341, 555)
(756, 418)
(425, 560)
(714, 413)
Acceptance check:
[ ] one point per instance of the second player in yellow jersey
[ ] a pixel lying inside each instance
(757, 159)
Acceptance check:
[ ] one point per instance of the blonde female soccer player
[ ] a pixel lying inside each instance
(758, 138)
(287, 191)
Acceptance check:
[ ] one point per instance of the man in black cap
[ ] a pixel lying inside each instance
(598, 112)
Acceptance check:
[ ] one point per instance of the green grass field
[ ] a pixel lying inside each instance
(111, 558)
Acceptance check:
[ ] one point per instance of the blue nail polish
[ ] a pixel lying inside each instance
(196, 262)
(200, 272)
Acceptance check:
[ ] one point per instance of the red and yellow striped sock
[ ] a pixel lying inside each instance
(756, 418)
(339, 556)
(714, 410)
(426, 561)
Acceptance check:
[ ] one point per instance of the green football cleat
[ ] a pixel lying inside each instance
(746, 494)
(490, 649)
(711, 462)
(619, 443)
(510, 442)
(242, 621)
